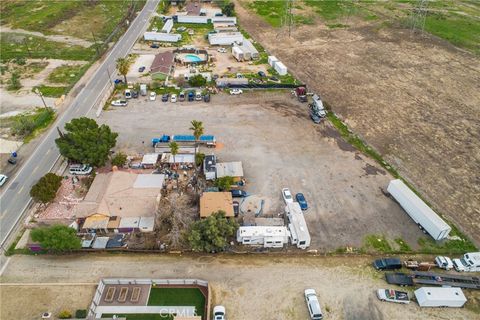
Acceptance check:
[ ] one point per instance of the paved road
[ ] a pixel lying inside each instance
(15, 198)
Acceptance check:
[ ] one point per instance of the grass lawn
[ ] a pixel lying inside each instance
(140, 316)
(178, 297)
(274, 12)
(66, 74)
(28, 125)
(19, 45)
(52, 92)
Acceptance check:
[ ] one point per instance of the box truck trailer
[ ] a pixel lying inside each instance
(418, 210)
(440, 297)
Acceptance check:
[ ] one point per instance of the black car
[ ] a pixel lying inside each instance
(274, 79)
(398, 278)
(315, 118)
(165, 97)
(12, 160)
(238, 193)
(141, 69)
(236, 208)
(154, 46)
(387, 264)
(262, 74)
(206, 97)
(135, 94)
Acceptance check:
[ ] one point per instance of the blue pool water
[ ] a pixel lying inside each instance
(193, 58)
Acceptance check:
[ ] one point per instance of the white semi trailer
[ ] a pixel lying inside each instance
(418, 210)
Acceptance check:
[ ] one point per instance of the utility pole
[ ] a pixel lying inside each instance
(419, 16)
(41, 97)
(26, 46)
(96, 46)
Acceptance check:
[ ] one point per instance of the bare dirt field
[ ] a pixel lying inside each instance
(280, 147)
(250, 287)
(415, 99)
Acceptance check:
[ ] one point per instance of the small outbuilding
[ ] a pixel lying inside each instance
(245, 51)
(440, 297)
(209, 167)
(233, 169)
(149, 160)
(146, 224)
(211, 202)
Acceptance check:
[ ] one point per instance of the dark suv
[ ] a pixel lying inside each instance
(387, 264)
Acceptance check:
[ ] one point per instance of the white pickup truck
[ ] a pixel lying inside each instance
(393, 296)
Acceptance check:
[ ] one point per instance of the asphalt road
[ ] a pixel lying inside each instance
(15, 196)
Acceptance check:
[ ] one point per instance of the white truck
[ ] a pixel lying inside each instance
(418, 210)
(440, 297)
(470, 262)
(444, 262)
(393, 296)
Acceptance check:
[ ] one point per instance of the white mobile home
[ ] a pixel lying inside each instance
(300, 236)
(161, 36)
(280, 68)
(225, 38)
(229, 20)
(422, 214)
(272, 60)
(167, 27)
(269, 237)
(245, 51)
(440, 297)
(192, 19)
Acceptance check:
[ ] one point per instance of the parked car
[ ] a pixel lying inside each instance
(393, 296)
(222, 50)
(154, 46)
(444, 262)
(275, 79)
(236, 91)
(240, 76)
(236, 208)
(173, 98)
(141, 69)
(458, 265)
(301, 201)
(387, 264)
(315, 117)
(128, 94)
(191, 96)
(12, 160)
(119, 103)
(153, 96)
(181, 96)
(219, 313)
(198, 96)
(3, 179)
(287, 195)
(165, 97)
(80, 169)
(238, 193)
(313, 305)
(262, 74)
(215, 76)
(134, 94)
(118, 81)
(206, 97)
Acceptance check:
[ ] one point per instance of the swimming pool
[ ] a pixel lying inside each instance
(192, 58)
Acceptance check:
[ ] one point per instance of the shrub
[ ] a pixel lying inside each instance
(211, 234)
(57, 238)
(46, 188)
(224, 183)
(81, 314)
(119, 159)
(65, 314)
(14, 83)
(197, 81)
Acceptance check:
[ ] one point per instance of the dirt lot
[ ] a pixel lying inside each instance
(269, 287)
(280, 147)
(415, 99)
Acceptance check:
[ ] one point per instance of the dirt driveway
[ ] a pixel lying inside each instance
(415, 99)
(250, 287)
(280, 147)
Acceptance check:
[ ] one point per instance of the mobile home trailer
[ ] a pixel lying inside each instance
(418, 210)
(300, 236)
(268, 236)
(440, 297)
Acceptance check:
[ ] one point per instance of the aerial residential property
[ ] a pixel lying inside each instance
(239, 159)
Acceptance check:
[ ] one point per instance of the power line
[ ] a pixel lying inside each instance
(419, 16)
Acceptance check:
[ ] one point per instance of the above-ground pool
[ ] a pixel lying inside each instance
(192, 58)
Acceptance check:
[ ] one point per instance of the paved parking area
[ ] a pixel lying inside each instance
(280, 147)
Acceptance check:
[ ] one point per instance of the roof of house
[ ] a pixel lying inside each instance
(193, 8)
(163, 62)
(129, 222)
(232, 169)
(118, 193)
(211, 202)
(150, 158)
(96, 221)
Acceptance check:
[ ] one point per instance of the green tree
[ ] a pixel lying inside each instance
(224, 183)
(123, 65)
(46, 188)
(14, 83)
(174, 151)
(197, 81)
(197, 129)
(211, 234)
(57, 238)
(228, 7)
(86, 142)
(119, 159)
(199, 157)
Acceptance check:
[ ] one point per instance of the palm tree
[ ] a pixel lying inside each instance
(197, 128)
(123, 66)
(174, 151)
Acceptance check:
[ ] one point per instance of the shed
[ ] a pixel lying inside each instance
(149, 160)
(280, 68)
(129, 224)
(440, 297)
(146, 224)
(211, 202)
(100, 243)
(232, 169)
(237, 53)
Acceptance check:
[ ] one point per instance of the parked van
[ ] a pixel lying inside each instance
(80, 169)
(128, 94)
(313, 305)
(198, 96)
